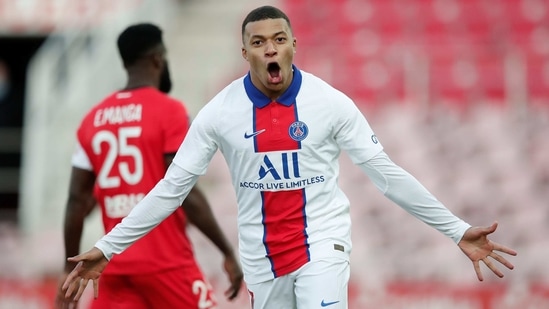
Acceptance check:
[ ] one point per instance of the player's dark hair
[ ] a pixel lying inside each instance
(137, 40)
(262, 13)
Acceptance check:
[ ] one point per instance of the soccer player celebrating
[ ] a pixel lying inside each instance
(125, 145)
(281, 131)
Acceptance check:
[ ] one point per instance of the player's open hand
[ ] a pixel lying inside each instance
(232, 268)
(476, 245)
(89, 267)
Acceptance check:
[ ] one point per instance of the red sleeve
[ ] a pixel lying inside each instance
(175, 125)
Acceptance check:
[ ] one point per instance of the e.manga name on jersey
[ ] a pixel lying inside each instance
(118, 114)
(280, 173)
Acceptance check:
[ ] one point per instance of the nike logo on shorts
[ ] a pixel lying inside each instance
(323, 304)
(246, 135)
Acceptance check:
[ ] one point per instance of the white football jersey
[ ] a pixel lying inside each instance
(283, 160)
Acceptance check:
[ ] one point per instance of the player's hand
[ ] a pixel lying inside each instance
(232, 268)
(61, 302)
(89, 267)
(476, 245)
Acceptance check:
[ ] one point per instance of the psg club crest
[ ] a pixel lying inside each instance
(298, 131)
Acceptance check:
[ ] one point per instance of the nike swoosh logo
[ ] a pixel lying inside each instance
(246, 135)
(323, 304)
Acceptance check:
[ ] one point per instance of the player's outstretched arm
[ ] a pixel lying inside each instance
(477, 247)
(403, 189)
(89, 266)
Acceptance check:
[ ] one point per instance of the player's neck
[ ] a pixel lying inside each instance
(140, 76)
(139, 82)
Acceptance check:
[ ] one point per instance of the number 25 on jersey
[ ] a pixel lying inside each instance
(118, 146)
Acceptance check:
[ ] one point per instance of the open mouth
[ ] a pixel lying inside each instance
(274, 73)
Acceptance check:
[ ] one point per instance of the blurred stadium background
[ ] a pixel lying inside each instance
(456, 90)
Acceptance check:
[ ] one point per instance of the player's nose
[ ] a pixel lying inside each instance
(270, 49)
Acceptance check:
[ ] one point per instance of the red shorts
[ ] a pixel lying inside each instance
(176, 288)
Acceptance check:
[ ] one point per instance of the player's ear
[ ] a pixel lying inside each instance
(244, 54)
(158, 59)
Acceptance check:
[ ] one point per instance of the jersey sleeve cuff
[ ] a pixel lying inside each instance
(105, 249)
(461, 229)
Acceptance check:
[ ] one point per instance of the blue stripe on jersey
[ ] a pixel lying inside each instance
(254, 127)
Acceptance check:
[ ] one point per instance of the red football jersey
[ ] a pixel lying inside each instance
(125, 138)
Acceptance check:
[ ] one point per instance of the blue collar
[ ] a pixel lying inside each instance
(260, 100)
